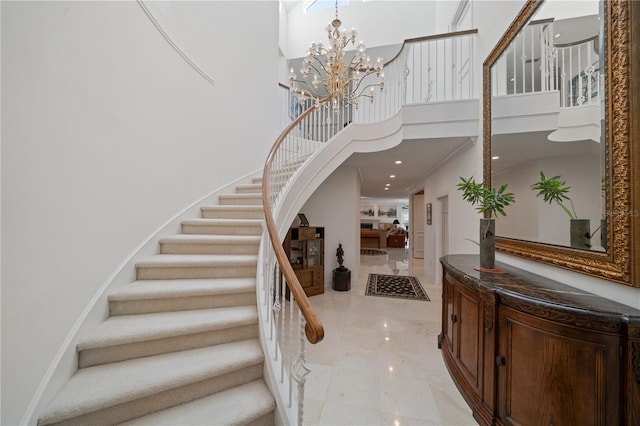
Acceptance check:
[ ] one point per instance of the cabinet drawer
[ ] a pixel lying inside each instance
(305, 278)
(306, 233)
(318, 278)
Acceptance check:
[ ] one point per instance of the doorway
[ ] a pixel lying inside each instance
(417, 218)
(444, 226)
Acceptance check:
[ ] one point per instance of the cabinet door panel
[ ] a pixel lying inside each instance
(449, 312)
(467, 347)
(553, 375)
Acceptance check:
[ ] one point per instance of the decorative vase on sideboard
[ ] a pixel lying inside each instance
(487, 243)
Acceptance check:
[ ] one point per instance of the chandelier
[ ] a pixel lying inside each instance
(326, 77)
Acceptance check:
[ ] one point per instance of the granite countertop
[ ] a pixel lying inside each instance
(536, 289)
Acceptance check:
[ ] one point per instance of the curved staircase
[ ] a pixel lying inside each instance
(180, 346)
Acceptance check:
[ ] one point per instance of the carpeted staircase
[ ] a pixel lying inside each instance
(180, 346)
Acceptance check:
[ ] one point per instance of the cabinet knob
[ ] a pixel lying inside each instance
(454, 318)
(500, 361)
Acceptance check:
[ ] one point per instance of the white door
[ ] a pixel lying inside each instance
(444, 226)
(416, 228)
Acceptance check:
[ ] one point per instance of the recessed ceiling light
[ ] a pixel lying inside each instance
(392, 176)
(398, 161)
(386, 188)
(388, 184)
(557, 35)
(495, 157)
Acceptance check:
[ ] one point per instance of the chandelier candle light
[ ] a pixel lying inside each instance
(328, 78)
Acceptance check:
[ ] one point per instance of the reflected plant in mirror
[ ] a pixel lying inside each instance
(554, 189)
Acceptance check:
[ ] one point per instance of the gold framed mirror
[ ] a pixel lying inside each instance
(608, 88)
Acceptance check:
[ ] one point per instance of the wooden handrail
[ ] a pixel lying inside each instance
(576, 43)
(313, 328)
(430, 37)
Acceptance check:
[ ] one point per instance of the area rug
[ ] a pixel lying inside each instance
(399, 286)
(372, 252)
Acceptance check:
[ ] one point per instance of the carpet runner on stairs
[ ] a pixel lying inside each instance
(181, 344)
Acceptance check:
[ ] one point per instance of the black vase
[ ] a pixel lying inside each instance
(487, 243)
(580, 233)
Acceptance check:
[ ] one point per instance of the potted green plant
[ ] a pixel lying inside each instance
(554, 189)
(490, 202)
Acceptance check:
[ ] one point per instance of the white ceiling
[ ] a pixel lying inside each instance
(419, 158)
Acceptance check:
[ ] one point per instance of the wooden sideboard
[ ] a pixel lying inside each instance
(526, 350)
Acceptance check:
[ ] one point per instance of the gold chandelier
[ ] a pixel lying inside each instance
(327, 77)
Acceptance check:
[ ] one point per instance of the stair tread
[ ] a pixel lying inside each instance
(156, 289)
(123, 329)
(102, 386)
(238, 405)
(208, 239)
(197, 260)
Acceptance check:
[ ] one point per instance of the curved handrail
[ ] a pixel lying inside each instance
(429, 38)
(313, 328)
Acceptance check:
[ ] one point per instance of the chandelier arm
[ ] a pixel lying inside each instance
(317, 71)
(363, 90)
(306, 94)
(361, 80)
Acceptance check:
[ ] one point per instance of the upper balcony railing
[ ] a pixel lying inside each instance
(533, 63)
(429, 69)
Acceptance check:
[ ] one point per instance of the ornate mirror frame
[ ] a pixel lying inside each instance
(621, 263)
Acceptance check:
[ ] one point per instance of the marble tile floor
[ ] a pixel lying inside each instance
(379, 363)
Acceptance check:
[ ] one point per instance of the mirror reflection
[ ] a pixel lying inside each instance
(547, 123)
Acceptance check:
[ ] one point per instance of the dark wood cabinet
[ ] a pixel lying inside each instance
(305, 248)
(551, 373)
(526, 350)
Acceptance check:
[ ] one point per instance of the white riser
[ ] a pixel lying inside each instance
(240, 199)
(233, 212)
(116, 353)
(192, 244)
(249, 189)
(251, 404)
(219, 227)
(129, 307)
(148, 296)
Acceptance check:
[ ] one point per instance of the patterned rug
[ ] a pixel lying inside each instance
(372, 252)
(403, 287)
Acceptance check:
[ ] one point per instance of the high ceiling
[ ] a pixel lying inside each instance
(419, 157)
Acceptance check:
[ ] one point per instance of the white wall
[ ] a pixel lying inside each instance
(379, 23)
(107, 133)
(335, 206)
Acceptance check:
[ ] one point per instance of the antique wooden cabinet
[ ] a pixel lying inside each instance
(305, 248)
(526, 350)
